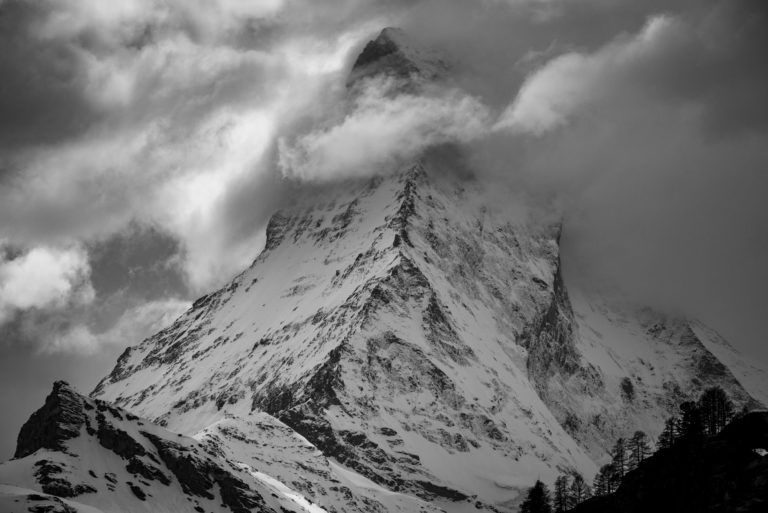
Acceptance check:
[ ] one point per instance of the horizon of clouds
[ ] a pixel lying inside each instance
(185, 118)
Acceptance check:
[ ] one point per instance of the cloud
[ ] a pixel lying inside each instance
(134, 325)
(44, 278)
(175, 107)
(385, 126)
(570, 82)
(654, 144)
(681, 59)
(184, 117)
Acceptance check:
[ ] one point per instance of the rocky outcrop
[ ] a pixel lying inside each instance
(393, 54)
(104, 456)
(60, 419)
(550, 339)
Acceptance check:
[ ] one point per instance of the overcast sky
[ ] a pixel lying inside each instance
(144, 143)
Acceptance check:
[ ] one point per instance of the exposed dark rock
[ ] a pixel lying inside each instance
(388, 54)
(137, 467)
(59, 420)
(197, 477)
(376, 49)
(50, 477)
(47, 504)
(550, 342)
(117, 440)
(138, 492)
(193, 479)
(442, 491)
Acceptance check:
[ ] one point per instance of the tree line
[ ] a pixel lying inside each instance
(697, 419)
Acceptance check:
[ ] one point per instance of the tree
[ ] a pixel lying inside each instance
(579, 490)
(537, 500)
(669, 435)
(606, 481)
(691, 425)
(639, 448)
(562, 494)
(716, 409)
(619, 455)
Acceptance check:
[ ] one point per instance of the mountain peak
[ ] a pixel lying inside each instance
(58, 420)
(394, 53)
(394, 318)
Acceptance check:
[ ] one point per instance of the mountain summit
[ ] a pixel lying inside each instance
(401, 344)
(394, 54)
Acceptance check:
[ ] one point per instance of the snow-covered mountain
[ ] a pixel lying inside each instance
(401, 344)
(82, 454)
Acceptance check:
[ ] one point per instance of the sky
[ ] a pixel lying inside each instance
(145, 143)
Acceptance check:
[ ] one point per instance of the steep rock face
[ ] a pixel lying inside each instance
(59, 420)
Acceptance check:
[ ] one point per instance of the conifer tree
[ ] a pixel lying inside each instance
(538, 499)
(669, 435)
(716, 410)
(619, 455)
(639, 448)
(691, 425)
(606, 481)
(562, 494)
(579, 490)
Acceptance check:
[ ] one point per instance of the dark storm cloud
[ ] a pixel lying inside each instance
(41, 97)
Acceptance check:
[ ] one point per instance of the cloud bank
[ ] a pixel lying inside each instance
(645, 121)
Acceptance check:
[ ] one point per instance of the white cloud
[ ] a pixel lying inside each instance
(571, 82)
(44, 277)
(383, 127)
(188, 123)
(133, 326)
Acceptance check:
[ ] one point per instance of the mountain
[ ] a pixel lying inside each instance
(726, 473)
(424, 340)
(403, 343)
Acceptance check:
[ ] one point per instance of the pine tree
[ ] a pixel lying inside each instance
(538, 499)
(639, 448)
(669, 435)
(562, 497)
(619, 455)
(605, 481)
(691, 425)
(716, 410)
(579, 490)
